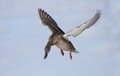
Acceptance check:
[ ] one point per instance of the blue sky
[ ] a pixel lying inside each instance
(23, 38)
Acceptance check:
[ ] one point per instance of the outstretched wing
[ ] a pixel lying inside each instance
(49, 21)
(77, 30)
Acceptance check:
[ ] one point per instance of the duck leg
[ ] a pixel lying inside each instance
(70, 55)
(62, 52)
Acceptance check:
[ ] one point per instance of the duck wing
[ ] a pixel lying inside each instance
(49, 21)
(77, 30)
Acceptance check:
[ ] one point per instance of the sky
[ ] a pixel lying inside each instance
(23, 38)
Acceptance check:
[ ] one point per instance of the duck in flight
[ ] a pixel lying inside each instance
(59, 37)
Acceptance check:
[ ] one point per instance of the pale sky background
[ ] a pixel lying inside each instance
(23, 38)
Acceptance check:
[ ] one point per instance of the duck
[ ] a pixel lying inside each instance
(59, 37)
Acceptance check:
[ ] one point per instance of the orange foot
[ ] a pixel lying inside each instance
(70, 55)
(62, 52)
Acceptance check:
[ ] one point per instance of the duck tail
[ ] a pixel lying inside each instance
(76, 51)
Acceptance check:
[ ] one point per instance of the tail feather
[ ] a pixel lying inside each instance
(76, 51)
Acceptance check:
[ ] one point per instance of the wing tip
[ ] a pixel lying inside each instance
(98, 12)
(40, 10)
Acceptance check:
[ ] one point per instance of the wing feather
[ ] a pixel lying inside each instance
(77, 30)
(49, 21)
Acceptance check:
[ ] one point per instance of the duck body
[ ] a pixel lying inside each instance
(62, 43)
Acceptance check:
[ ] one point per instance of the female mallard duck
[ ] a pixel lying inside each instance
(58, 37)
